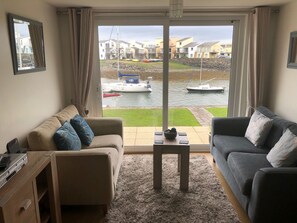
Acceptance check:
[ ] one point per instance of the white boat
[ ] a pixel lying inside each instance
(131, 84)
(127, 83)
(206, 88)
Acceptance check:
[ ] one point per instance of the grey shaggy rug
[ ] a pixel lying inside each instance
(137, 201)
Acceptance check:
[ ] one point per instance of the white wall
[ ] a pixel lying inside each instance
(28, 99)
(283, 85)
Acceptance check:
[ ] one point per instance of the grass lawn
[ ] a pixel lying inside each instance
(218, 112)
(152, 117)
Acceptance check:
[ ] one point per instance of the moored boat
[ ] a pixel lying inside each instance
(107, 95)
(206, 88)
(202, 87)
(130, 84)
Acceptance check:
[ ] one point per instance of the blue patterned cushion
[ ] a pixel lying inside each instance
(66, 138)
(82, 129)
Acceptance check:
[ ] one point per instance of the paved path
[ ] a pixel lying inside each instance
(202, 115)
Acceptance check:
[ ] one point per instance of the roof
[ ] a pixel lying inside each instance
(208, 44)
(183, 39)
(193, 44)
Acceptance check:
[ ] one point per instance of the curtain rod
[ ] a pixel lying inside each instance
(63, 11)
(162, 12)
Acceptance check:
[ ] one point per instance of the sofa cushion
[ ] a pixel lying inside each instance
(41, 138)
(66, 114)
(279, 126)
(265, 111)
(228, 144)
(293, 128)
(82, 129)
(284, 153)
(114, 141)
(66, 138)
(244, 166)
(258, 128)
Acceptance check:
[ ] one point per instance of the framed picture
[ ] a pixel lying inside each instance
(292, 57)
(27, 44)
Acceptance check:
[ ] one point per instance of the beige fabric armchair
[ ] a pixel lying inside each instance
(88, 176)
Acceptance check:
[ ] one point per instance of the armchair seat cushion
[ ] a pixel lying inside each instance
(114, 141)
(227, 144)
(244, 166)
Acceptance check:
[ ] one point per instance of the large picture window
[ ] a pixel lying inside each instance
(165, 74)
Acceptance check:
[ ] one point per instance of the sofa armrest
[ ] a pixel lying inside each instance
(106, 126)
(85, 177)
(230, 126)
(274, 195)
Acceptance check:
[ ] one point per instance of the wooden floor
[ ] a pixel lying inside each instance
(91, 214)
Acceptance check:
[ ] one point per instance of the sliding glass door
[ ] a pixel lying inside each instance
(199, 76)
(157, 75)
(131, 65)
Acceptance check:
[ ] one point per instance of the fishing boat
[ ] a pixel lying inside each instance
(203, 87)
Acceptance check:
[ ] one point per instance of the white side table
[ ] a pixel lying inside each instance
(171, 147)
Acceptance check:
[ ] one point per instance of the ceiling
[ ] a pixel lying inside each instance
(157, 4)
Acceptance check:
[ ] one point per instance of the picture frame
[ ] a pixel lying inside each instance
(292, 56)
(27, 44)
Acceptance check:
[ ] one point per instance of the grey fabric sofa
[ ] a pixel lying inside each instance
(266, 193)
(88, 176)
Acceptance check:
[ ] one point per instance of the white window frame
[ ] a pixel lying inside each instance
(237, 94)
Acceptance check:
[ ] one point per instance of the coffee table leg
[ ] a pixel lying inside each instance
(157, 169)
(178, 165)
(184, 173)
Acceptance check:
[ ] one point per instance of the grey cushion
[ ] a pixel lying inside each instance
(265, 111)
(293, 128)
(228, 144)
(284, 153)
(279, 126)
(258, 128)
(244, 167)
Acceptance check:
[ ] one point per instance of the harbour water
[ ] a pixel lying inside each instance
(178, 96)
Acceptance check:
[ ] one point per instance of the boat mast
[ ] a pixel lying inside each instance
(201, 67)
(118, 49)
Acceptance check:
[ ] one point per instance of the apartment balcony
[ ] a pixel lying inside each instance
(182, 50)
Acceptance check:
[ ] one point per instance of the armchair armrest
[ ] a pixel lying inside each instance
(85, 177)
(105, 126)
(274, 195)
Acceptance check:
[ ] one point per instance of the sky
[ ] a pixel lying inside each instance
(151, 33)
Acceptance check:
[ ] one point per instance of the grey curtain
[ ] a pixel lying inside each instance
(259, 21)
(81, 41)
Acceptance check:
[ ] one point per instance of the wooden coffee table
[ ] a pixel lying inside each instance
(176, 146)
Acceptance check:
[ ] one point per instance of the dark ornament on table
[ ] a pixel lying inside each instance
(170, 133)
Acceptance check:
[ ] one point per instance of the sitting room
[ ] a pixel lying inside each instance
(99, 124)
